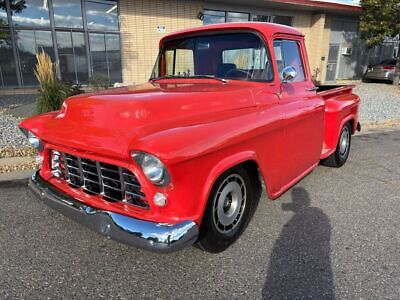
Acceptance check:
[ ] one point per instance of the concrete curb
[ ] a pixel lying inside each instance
(379, 126)
(16, 175)
(19, 163)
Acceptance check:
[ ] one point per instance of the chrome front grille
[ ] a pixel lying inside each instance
(112, 182)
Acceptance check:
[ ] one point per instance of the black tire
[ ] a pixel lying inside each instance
(339, 157)
(214, 236)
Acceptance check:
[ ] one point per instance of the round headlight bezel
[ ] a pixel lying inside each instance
(152, 167)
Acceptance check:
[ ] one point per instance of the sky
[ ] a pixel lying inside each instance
(350, 2)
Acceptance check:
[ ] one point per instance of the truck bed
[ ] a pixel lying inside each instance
(334, 89)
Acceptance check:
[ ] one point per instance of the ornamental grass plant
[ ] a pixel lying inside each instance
(52, 92)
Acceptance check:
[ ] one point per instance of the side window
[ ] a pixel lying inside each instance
(179, 62)
(287, 53)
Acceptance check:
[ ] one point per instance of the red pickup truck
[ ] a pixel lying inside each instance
(181, 159)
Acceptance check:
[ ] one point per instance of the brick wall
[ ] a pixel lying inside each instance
(139, 37)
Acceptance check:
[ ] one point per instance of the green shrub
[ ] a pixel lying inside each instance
(99, 82)
(76, 89)
(51, 96)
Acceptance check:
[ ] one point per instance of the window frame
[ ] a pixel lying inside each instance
(304, 61)
(226, 14)
(283, 16)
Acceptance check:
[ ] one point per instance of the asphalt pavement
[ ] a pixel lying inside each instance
(335, 234)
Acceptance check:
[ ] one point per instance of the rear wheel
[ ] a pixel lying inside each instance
(339, 157)
(230, 206)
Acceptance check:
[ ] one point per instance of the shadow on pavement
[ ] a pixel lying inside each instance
(300, 265)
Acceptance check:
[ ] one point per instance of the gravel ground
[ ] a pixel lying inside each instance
(10, 135)
(379, 102)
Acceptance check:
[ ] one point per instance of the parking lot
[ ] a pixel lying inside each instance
(333, 235)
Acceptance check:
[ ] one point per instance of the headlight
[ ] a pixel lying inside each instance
(33, 140)
(152, 167)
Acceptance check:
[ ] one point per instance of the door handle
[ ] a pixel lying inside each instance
(313, 89)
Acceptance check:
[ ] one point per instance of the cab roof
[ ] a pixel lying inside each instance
(267, 29)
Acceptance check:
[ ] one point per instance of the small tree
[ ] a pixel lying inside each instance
(380, 20)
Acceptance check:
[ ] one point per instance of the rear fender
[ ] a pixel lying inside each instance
(339, 111)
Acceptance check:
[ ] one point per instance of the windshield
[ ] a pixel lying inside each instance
(240, 56)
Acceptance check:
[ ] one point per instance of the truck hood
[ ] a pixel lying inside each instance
(109, 122)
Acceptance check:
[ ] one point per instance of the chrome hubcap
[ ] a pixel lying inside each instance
(229, 203)
(344, 141)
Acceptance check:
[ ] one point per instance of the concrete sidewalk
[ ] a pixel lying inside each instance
(16, 175)
(9, 165)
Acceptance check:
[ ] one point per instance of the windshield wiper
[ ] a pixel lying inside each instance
(208, 77)
(188, 77)
(165, 77)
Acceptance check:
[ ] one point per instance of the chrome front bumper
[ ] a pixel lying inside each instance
(148, 235)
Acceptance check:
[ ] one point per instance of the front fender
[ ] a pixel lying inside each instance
(36, 124)
(221, 167)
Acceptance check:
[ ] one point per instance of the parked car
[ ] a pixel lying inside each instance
(383, 71)
(179, 160)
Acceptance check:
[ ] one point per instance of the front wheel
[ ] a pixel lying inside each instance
(230, 206)
(339, 157)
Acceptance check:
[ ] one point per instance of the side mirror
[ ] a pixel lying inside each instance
(288, 74)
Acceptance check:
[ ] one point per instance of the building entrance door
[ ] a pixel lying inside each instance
(331, 65)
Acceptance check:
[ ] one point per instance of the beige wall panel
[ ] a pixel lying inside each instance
(139, 37)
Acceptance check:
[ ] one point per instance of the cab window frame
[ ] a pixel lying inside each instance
(303, 60)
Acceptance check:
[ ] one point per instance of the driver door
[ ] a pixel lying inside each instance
(304, 112)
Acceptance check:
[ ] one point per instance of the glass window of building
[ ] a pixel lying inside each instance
(260, 18)
(8, 75)
(113, 48)
(30, 42)
(98, 54)
(3, 14)
(102, 15)
(68, 13)
(213, 16)
(284, 20)
(72, 56)
(81, 61)
(30, 13)
(217, 16)
(81, 51)
(236, 17)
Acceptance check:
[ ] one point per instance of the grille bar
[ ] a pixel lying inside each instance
(112, 183)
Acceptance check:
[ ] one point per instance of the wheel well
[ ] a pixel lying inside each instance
(351, 122)
(252, 169)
